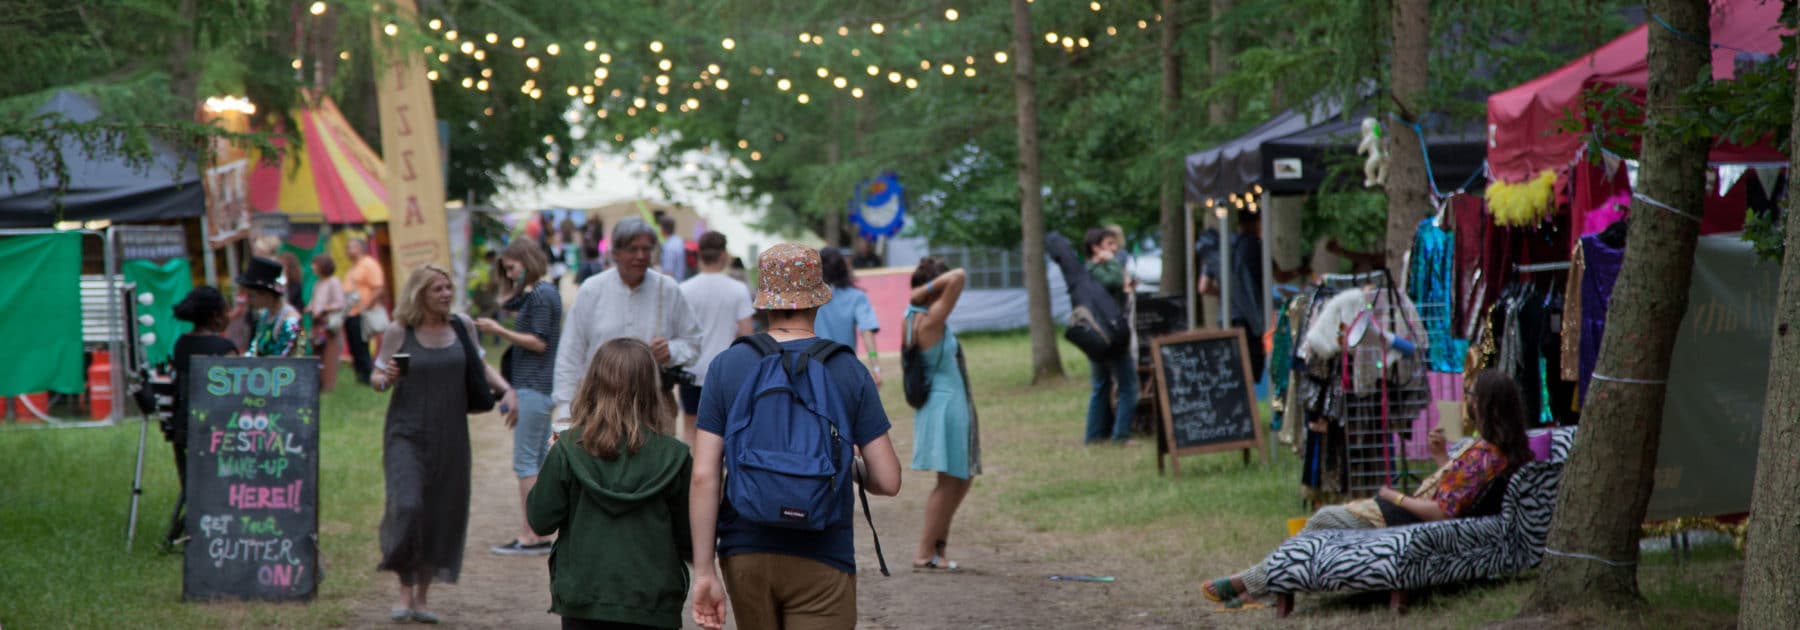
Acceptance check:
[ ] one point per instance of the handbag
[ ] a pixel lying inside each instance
(375, 321)
(915, 377)
(481, 397)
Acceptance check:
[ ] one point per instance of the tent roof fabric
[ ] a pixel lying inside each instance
(1456, 148)
(1232, 167)
(334, 178)
(1525, 137)
(101, 186)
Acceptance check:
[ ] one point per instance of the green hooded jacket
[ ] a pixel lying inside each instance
(622, 531)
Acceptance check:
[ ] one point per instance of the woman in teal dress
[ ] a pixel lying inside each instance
(945, 438)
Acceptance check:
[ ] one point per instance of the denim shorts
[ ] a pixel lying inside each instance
(531, 436)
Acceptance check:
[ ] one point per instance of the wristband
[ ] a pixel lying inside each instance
(873, 355)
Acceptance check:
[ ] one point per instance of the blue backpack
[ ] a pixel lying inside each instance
(788, 445)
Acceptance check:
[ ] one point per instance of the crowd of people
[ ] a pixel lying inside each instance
(669, 428)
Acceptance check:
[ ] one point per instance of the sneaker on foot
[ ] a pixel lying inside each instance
(516, 548)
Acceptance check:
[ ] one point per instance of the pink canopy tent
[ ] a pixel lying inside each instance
(1525, 138)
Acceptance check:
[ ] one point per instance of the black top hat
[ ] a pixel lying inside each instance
(261, 273)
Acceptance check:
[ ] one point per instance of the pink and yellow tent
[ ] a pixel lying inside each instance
(334, 177)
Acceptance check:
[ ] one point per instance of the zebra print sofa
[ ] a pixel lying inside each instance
(1397, 559)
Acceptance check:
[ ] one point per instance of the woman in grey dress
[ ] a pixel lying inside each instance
(425, 443)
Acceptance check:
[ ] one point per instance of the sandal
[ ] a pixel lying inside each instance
(1220, 590)
(937, 563)
(400, 615)
(424, 617)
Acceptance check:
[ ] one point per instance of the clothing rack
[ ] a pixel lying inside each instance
(1540, 267)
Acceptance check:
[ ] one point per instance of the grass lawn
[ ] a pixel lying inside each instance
(64, 500)
(1164, 536)
(64, 496)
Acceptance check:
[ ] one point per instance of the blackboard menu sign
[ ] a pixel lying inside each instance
(253, 479)
(1208, 402)
(1158, 316)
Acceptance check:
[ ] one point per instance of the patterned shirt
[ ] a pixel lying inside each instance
(1459, 483)
(276, 334)
(540, 313)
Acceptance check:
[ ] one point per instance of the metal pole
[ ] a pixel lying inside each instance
(137, 486)
(1193, 301)
(115, 314)
(1225, 266)
(212, 270)
(1268, 265)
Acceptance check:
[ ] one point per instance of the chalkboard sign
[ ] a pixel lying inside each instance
(1158, 316)
(1208, 402)
(253, 479)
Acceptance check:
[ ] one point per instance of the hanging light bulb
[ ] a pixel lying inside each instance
(467, 47)
(912, 84)
(893, 77)
(948, 69)
(553, 50)
(532, 63)
(1051, 37)
(450, 35)
(468, 82)
(1068, 42)
(480, 55)
(755, 156)
(296, 64)
(969, 71)
(823, 72)
(874, 71)
(803, 98)
(587, 99)
(1094, 5)
(728, 43)
(950, 14)
(536, 94)
(840, 82)
(590, 45)
(712, 68)
(442, 58)
(783, 85)
(665, 65)
(818, 40)
(805, 38)
(1083, 42)
(662, 80)
(743, 144)
(435, 24)
(661, 107)
(481, 85)
(431, 74)
(391, 29)
(722, 84)
(493, 38)
(924, 64)
(692, 103)
(600, 73)
(1111, 30)
(639, 102)
(518, 42)
(605, 58)
(487, 73)
(843, 31)
(656, 47)
(856, 92)
(877, 28)
(1142, 24)
(1000, 57)
(317, 8)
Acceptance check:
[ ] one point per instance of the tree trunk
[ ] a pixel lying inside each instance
(1771, 593)
(1408, 199)
(1045, 362)
(1174, 244)
(1607, 481)
(1222, 110)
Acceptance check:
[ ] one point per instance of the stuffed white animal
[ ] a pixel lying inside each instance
(1375, 166)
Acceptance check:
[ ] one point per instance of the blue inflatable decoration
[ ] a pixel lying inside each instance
(879, 207)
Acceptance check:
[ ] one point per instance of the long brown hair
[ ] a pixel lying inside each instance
(1499, 410)
(620, 402)
(532, 266)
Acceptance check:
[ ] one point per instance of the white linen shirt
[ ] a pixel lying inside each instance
(606, 309)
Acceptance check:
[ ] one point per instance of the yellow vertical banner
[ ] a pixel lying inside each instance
(409, 146)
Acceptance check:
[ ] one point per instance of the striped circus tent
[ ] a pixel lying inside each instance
(333, 177)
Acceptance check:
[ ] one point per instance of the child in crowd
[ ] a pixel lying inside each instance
(614, 490)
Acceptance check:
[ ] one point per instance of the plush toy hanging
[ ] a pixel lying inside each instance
(1376, 165)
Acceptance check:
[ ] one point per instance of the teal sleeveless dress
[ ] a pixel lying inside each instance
(945, 436)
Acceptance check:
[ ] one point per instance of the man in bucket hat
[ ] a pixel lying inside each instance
(779, 577)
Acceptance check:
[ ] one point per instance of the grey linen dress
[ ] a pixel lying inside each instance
(425, 455)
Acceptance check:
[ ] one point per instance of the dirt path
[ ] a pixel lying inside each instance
(1004, 583)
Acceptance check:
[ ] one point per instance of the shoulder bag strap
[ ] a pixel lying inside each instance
(870, 518)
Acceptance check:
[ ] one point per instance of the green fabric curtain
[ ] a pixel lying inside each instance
(166, 283)
(40, 284)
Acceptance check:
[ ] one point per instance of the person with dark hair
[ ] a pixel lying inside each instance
(1120, 371)
(1495, 407)
(327, 309)
(593, 247)
(1247, 288)
(946, 437)
(723, 307)
(673, 259)
(531, 368)
(204, 307)
(278, 329)
(293, 282)
(848, 312)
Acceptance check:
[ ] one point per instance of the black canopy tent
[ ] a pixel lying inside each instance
(1298, 163)
(102, 185)
(1233, 167)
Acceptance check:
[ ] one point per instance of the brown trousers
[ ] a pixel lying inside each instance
(780, 592)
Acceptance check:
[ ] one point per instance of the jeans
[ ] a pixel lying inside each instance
(1120, 370)
(531, 434)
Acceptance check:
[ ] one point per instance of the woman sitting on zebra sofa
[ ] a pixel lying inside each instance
(1494, 405)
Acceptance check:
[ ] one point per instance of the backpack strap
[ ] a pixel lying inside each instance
(761, 342)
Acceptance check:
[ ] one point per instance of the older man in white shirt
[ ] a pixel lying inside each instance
(628, 300)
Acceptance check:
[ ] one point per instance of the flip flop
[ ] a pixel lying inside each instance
(1219, 590)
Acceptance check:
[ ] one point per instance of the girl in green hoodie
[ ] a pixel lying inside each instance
(614, 490)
